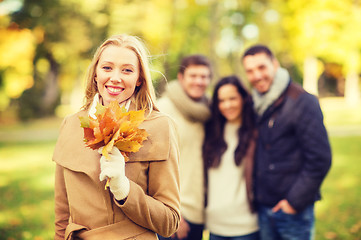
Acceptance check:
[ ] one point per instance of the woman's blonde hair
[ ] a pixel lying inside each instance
(144, 95)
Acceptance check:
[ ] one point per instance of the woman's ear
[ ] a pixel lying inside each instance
(139, 82)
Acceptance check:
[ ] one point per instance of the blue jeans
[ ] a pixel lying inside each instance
(252, 236)
(195, 232)
(282, 226)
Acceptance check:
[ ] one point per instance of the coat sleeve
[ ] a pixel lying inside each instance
(159, 209)
(316, 153)
(61, 204)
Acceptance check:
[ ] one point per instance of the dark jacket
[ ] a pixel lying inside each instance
(293, 153)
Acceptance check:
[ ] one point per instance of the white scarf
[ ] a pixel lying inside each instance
(263, 101)
(97, 99)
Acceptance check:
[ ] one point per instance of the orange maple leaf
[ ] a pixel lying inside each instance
(114, 126)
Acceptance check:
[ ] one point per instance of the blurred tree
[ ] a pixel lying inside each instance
(65, 34)
(170, 28)
(58, 38)
(331, 81)
(189, 30)
(326, 30)
(17, 49)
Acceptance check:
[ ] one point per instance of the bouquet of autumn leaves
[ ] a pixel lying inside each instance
(114, 126)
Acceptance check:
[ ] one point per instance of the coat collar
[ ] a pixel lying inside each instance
(72, 153)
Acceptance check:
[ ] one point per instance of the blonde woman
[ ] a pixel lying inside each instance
(143, 194)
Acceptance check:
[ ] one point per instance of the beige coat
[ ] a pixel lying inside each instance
(84, 210)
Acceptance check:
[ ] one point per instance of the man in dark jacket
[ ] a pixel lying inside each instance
(293, 153)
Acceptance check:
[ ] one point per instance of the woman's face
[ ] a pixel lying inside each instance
(117, 74)
(230, 103)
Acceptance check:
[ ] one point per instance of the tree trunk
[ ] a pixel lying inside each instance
(213, 31)
(51, 91)
(310, 75)
(352, 90)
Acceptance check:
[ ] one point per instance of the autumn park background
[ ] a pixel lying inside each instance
(46, 46)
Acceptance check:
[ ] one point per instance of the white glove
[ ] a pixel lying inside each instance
(114, 168)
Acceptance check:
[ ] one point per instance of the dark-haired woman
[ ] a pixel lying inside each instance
(228, 159)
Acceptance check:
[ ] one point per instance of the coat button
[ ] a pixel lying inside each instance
(271, 123)
(271, 166)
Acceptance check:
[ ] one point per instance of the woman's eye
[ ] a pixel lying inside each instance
(128, 70)
(106, 68)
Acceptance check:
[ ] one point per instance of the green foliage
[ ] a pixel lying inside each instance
(47, 45)
(64, 36)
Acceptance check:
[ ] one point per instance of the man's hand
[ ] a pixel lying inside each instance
(182, 231)
(285, 206)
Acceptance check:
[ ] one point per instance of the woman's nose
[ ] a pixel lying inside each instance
(116, 77)
(227, 104)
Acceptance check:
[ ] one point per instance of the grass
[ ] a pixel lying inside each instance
(27, 178)
(338, 214)
(26, 191)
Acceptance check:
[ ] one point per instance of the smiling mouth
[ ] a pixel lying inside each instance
(114, 89)
(229, 113)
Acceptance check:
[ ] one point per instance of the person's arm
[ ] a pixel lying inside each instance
(61, 204)
(316, 153)
(159, 208)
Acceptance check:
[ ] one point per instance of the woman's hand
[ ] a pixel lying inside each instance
(114, 168)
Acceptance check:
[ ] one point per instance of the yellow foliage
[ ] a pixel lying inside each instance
(16, 83)
(17, 48)
(157, 26)
(325, 29)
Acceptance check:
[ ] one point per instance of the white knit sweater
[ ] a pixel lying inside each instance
(227, 212)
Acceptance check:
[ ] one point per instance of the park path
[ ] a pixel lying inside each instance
(29, 135)
(39, 130)
(48, 129)
(344, 131)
